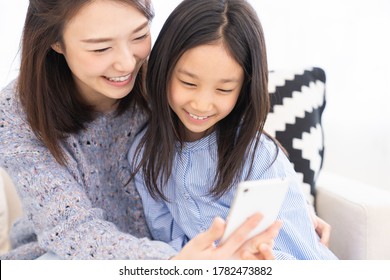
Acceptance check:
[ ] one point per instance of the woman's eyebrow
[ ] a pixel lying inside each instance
(96, 40)
(104, 40)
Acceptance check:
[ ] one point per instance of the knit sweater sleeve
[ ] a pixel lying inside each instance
(64, 219)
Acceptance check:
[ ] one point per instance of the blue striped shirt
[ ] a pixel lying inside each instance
(191, 209)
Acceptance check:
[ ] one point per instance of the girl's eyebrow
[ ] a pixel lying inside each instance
(192, 75)
(104, 40)
(187, 73)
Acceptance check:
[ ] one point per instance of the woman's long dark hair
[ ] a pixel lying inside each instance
(235, 24)
(46, 87)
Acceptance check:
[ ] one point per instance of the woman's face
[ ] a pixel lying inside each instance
(105, 45)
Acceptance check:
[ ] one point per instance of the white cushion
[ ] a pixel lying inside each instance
(4, 222)
(10, 209)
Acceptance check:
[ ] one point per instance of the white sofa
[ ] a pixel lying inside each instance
(358, 213)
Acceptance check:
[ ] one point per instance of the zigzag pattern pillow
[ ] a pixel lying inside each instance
(297, 103)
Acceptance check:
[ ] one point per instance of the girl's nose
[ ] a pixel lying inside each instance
(203, 101)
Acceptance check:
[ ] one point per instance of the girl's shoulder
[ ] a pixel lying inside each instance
(268, 150)
(269, 160)
(267, 144)
(134, 145)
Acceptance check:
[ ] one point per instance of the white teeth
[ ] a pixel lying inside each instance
(197, 117)
(119, 79)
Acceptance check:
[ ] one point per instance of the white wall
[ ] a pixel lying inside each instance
(12, 15)
(348, 38)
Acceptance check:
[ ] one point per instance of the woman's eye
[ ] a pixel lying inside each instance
(100, 50)
(142, 37)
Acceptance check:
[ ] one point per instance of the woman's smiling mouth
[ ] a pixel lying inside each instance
(119, 79)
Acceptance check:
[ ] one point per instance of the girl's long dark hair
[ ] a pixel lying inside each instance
(46, 87)
(235, 24)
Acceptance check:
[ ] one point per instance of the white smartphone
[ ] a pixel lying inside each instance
(264, 196)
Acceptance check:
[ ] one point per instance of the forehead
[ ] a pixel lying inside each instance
(99, 17)
(208, 61)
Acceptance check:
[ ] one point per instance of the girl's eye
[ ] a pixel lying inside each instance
(225, 90)
(100, 50)
(188, 84)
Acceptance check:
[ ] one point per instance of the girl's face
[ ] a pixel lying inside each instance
(204, 88)
(105, 45)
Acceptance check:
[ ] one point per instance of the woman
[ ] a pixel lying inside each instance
(66, 126)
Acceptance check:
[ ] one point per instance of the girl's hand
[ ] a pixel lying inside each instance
(235, 247)
(322, 228)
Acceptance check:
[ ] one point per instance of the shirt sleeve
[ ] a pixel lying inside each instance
(297, 238)
(63, 217)
(160, 221)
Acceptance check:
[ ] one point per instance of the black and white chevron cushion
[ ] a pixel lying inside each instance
(297, 103)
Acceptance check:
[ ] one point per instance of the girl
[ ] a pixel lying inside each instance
(65, 128)
(207, 85)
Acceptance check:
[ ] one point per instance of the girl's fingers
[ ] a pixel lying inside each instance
(323, 229)
(325, 235)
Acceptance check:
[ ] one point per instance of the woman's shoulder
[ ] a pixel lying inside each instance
(10, 106)
(9, 93)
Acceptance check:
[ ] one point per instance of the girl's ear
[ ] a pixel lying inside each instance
(57, 48)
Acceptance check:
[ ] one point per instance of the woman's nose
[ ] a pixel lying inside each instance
(125, 60)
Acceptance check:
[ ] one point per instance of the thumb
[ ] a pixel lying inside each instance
(207, 238)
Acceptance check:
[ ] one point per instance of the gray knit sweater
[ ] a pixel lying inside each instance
(84, 210)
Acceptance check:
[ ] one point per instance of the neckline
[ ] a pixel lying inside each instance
(202, 143)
